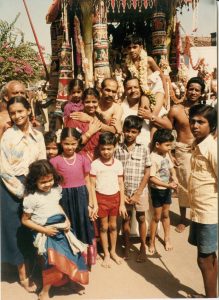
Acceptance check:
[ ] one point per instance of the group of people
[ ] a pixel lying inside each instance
(59, 193)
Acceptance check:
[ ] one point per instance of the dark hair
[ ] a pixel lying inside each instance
(130, 77)
(78, 83)
(197, 80)
(103, 83)
(107, 138)
(206, 111)
(37, 170)
(162, 136)
(133, 122)
(91, 92)
(70, 132)
(132, 40)
(50, 137)
(18, 99)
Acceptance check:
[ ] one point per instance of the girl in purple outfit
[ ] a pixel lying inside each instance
(75, 201)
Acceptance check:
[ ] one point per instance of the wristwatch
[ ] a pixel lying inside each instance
(153, 118)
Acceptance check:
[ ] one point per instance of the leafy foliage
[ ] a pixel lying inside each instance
(18, 59)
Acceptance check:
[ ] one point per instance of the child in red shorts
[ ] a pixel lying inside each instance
(107, 190)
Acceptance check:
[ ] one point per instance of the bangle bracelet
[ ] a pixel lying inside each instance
(91, 206)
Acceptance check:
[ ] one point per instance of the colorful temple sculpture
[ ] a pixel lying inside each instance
(87, 39)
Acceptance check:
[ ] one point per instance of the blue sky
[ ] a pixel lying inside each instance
(207, 17)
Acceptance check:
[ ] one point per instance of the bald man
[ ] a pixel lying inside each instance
(14, 88)
(11, 89)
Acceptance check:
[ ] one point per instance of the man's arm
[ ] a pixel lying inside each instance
(162, 122)
(171, 114)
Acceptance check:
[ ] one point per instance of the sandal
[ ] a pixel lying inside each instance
(28, 285)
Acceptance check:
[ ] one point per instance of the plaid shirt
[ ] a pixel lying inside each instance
(134, 164)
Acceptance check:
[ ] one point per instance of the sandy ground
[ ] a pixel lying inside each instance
(164, 275)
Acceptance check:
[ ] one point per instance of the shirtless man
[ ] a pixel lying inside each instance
(110, 111)
(179, 116)
(11, 89)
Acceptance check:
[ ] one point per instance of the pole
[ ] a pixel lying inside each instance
(37, 42)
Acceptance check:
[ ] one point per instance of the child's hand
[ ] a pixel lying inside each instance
(172, 185)
(135, 198)
(50, 230)
(127, 200)
(122, 211)
(93, 212)
(67, 225)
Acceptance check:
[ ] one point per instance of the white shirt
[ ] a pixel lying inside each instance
(160, 168)
(18, 151)
(144, 136)
(41, 206)
(107, 176)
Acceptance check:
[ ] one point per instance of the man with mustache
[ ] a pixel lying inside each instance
(132, 106)
(111, 111)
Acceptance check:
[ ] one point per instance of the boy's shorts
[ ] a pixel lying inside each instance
(108, 204)
(160, 197)
(204, 236)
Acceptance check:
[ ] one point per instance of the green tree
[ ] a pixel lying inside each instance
(18, 59)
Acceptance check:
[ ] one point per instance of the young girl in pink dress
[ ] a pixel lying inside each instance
(74, 103)
(75, 201)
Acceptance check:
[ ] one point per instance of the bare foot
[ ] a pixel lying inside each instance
(98, 257)
(168, 246)
(28, 285)
(43, 296)
(180, 228)
(116, 258)
(151, 248)
(142, 255)
(106, 262)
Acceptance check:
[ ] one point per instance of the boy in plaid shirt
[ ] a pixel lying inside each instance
(136, 163)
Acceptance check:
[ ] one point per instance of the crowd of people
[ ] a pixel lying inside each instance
(61, 193)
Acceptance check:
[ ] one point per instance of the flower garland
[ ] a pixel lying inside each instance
(142, 75)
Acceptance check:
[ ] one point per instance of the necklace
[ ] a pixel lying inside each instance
(67, 161)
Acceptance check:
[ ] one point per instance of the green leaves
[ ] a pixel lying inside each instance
(19, 60)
